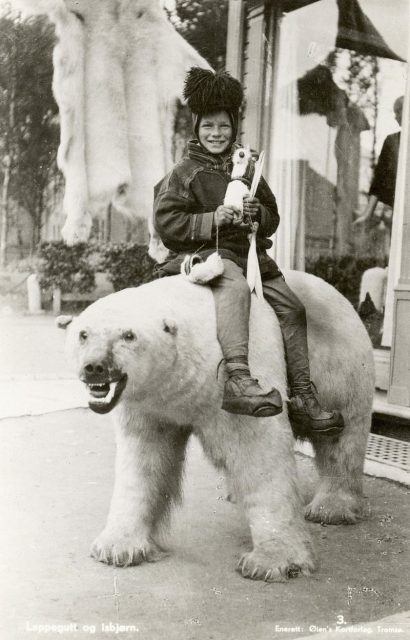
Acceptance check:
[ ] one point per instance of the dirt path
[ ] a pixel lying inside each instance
(57, 472)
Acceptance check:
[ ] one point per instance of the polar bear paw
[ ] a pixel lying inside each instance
(274, 567)
(125, 551)
(340, 508)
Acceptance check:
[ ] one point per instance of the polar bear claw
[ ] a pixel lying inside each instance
(126, 551)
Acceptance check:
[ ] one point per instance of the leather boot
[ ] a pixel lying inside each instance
(243, 395)
(305, 411)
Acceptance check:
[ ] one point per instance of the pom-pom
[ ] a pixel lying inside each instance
(200, 272)
(206, 91)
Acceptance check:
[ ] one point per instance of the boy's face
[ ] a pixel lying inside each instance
(215, 132)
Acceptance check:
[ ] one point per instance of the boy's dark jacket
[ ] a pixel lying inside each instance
(184, 204)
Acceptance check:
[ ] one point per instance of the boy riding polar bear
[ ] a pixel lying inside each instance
(153, 355)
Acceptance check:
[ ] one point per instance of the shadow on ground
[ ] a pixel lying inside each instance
(57, 472)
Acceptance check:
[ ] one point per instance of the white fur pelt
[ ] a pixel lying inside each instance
(69, 91)
(119, 72)
(162, 335)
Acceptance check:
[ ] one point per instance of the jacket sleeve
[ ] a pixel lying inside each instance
(269, 211)
(178, 225)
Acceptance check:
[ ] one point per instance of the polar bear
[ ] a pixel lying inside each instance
(150, 355)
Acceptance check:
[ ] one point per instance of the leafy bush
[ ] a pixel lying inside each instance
(72, 269)
(127, 264)
(343, 273)
(66, 268)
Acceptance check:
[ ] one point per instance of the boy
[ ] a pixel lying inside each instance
(189, 217)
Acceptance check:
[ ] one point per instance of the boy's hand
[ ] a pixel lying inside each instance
(225, 215)
(251, 208)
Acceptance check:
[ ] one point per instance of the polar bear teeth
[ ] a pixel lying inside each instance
(103, 392)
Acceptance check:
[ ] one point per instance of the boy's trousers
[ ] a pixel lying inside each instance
(232, 303)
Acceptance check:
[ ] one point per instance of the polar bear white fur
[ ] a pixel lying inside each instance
(159, 342)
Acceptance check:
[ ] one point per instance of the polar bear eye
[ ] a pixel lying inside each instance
(128, 336)
(83, 335)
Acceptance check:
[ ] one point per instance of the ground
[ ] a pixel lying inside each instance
(57, 472)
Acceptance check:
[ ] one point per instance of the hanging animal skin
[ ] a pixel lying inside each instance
(119, 66)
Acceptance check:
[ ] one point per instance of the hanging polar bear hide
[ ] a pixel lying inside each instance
(119, 67)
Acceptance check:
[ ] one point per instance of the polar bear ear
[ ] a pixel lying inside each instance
(170, 326)
(62, 322)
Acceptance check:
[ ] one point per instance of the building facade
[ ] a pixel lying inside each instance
(264, 52)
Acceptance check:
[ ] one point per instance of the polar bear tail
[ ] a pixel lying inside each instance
(200, 272)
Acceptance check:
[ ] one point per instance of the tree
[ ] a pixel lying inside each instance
(29, 131)
(204, 24)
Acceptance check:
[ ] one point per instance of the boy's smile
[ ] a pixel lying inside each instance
(215, 132)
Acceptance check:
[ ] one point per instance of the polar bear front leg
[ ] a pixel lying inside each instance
(282, 547)
(148, 470)
(262, 471)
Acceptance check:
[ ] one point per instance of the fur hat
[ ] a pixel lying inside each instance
(206, 92)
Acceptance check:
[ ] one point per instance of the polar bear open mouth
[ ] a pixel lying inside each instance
(105, 395)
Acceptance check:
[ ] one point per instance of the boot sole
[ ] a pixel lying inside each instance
(307, 430)
(263, 411)
(329, 431)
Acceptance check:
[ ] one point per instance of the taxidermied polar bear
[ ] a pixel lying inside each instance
(151, 355)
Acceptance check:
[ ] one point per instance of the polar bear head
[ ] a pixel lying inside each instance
(114, 342)
(147, 345)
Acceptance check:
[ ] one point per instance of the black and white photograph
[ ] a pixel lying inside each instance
(204, 319)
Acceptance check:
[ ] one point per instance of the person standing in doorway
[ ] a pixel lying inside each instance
(383, 184)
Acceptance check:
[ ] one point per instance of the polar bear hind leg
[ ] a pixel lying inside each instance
(342, 368)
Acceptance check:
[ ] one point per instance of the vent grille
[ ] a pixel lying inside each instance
(388, 451)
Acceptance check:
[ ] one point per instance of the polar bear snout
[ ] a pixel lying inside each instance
(104, 383)
(94, 370)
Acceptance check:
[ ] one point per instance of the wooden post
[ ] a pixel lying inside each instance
(235, 37)
(56, 301)
(254, 78)
(34, 295)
